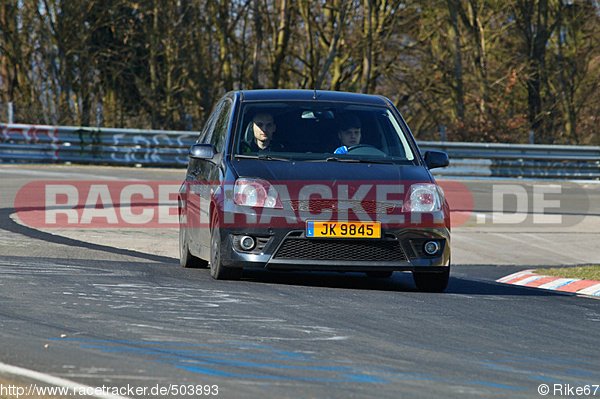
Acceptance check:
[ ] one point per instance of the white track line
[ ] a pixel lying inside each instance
(56, 381)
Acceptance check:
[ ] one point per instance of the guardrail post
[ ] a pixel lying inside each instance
(98, 115)
(531, 137)
(10, 112)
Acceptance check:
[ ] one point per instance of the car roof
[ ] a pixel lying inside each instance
(308, 95)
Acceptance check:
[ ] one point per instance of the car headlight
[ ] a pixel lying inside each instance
(423, 197)
(256, 193)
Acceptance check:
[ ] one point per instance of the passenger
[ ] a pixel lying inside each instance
(349, 133)
(263, 129)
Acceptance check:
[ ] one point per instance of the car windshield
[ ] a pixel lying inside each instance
(319, 131)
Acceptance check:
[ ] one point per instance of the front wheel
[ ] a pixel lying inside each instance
(186, 259)
(217, 270)
(432, 282)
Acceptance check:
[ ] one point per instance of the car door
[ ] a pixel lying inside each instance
(208, 174)
(194, 178)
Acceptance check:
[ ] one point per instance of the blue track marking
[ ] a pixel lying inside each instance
(242, 360)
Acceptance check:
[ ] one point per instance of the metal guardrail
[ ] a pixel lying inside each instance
(518, 160)
(60, 144)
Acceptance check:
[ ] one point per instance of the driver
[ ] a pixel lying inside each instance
(263, 129)
(348, 133)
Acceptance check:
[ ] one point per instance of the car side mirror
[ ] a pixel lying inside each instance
(202, 151)
(436, 159)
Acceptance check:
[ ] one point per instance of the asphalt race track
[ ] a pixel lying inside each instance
(112, 308)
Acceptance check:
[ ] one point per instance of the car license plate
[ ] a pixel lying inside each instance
(343, 229)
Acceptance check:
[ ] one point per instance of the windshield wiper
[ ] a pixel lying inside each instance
(336, 159)
(358, 160)
(262, 157)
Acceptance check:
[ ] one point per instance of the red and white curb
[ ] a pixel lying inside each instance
(527, 278)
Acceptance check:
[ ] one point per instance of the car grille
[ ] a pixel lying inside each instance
(298, 248)
(319, 204)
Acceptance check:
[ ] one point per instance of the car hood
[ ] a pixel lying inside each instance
(285, 171)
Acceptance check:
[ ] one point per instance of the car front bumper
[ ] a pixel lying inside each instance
(281, 249)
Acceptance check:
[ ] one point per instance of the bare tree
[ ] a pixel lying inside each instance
(489, 70)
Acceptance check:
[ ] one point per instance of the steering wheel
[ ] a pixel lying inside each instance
(366, 149)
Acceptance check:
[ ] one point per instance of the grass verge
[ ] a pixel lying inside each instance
(583, 272)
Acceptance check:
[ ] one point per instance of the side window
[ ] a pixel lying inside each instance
(219, 135)
(208, 127)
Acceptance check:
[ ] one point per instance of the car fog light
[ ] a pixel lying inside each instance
(247, 243)
(431, 247)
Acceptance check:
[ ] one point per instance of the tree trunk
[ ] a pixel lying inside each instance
(282, 38)
(367, 63)
(454, 43)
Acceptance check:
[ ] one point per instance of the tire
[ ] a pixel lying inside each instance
(380, 274)
(217, 270)
(186, 259)
(432, 282)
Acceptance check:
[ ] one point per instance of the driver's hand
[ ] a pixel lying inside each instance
(341, 150)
